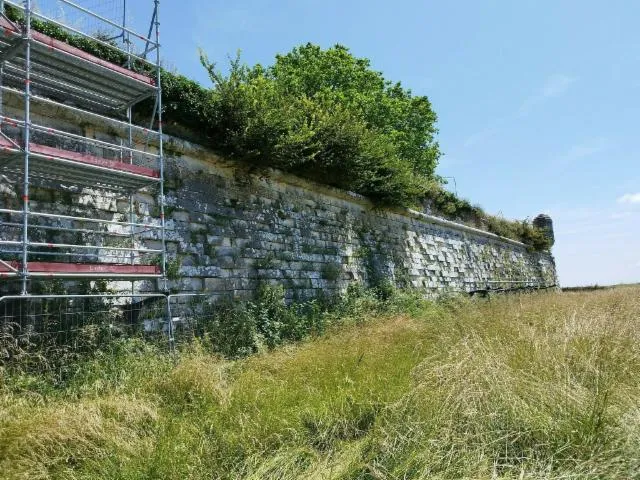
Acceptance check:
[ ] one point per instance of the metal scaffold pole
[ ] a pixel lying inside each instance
(2, 14)
(156, 16)
(127, 41)
(27, 127)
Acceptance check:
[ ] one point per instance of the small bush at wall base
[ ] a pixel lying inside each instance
(236, 329)
(229, 328)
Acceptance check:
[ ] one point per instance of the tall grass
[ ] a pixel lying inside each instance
(530, 386)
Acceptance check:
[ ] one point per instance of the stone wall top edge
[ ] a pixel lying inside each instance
(462, 227)
(205, 153)
(199, 152)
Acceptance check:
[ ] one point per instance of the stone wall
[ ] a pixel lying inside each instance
(230, 227)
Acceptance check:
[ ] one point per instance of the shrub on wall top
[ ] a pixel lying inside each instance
(326, 115)
(321, 114)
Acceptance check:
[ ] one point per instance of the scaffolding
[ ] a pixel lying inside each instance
(42, 65)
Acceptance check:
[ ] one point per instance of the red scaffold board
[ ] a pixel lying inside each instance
(53, 153)
(82, 268)
(63, 47)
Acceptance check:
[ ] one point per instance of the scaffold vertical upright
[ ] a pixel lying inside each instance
(27, 131)
(68, 63)
(156, 17)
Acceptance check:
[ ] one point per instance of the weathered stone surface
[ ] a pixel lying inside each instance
(229, 228)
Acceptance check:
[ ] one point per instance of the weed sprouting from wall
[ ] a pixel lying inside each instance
(331, 271)
(173, 268)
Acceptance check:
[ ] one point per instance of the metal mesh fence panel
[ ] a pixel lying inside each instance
(51, 333)
(44, 333)
(63, 12)
(191, 315)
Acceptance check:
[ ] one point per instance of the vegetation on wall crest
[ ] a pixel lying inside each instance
(319, 114)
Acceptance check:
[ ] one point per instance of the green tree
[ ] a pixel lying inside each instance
(328, 116)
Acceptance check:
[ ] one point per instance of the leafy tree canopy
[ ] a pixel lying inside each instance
(327, 115)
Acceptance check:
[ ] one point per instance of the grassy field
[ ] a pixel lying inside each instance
(527, 386)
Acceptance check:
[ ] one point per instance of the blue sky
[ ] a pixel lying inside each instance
(538, 101)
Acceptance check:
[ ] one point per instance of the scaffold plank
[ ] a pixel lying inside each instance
(70, 74)
(54, 153)
(85, 170)
(77, 269)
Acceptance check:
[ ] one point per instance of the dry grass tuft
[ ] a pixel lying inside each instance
(197, 379)
(530, 386)
(49, 440)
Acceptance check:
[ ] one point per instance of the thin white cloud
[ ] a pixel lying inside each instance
(616, 236)
(233, 18)
(480, 136)
(449, 161)
(620, 215)
(582, 150)
(583, 221)
(573, 213)
(630, 198)
(554, 86)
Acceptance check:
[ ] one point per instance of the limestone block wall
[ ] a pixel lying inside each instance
(230, 227)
